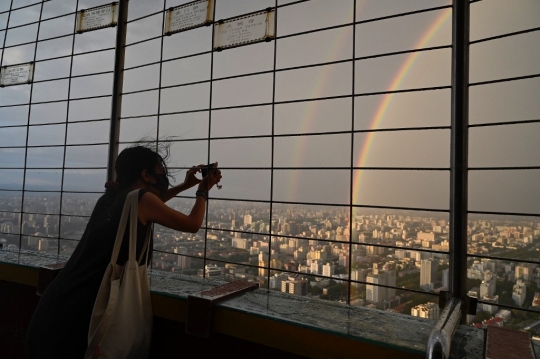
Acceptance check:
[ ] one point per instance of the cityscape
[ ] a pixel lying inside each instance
(395, 260)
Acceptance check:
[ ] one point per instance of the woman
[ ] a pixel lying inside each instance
(59, 327)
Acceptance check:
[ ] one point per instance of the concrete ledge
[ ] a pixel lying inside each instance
(301, 326)
(200, 306)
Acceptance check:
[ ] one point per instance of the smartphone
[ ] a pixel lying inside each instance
(205, 170)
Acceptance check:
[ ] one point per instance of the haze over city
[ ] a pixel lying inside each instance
(299, 148)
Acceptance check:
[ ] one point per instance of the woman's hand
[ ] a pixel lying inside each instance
(214, 176)
(190, 179)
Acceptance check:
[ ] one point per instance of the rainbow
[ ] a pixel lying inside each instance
(385, 103)
(317, 92)
(299, 150)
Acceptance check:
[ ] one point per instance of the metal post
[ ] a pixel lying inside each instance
(118, 82)
(459, 148)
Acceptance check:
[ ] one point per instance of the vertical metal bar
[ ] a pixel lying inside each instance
(159, 97)
(272, 155)
(209, 130)
(459, 148)
(118, 83)
(351, 198)
(160, 74)
(5, 34)
(67, 124)
(27, 128)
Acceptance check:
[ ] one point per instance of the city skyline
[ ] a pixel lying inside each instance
(333, 138)
(409, 148)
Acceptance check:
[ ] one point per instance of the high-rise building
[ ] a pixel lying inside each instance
(428, 273)
(390, 281)
(446, 278)
(488, 285)
(359, 274)
(523, 272)
(328, 270)
(248, 219)
(294, 286)
(316, 267)
(375, 293)
(240, 243)
(428, 310)
(184, 262)
(519, 292)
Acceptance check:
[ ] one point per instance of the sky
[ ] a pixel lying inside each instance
(325, 159)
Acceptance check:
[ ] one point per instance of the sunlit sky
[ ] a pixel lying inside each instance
(250, 159)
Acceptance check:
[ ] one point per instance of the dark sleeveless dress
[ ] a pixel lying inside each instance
(59, 327)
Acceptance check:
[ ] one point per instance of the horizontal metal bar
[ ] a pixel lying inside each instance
(61, 168)
(419, 209)
(490, 124)
(23, 7)
(508, 34)
(56, 238)
(507, 259)
(504, 168)
(510, 307)
(19, 26)
(444, 7)
(143, 41)
(271, 235)
(315, 204)
(56, 123)
(50, 191)
(56, 101)
(284, 135)
(320, 29)
(386, 286)
(508, 79)
(404, 52)
(77, 54)
(168, 60)
(297, 101)
(140, 66)
(62, 145)
(59, 16)
(292, 3)
(74, 77)
(19, 44)
(144, 16)
(334, 168)
(404, 91)
(55, 214)
(507, 213)
(269, 8)
(178, 254)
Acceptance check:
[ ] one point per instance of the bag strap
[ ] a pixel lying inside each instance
(146, 246)
(128, 206)
(133, 220)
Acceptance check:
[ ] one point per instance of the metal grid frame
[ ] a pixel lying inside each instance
(459, 128)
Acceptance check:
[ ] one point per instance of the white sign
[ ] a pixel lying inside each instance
(189, 16)
(244, 30)
(17, 74)
(97, 17)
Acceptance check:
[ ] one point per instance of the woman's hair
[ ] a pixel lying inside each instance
(133, 160)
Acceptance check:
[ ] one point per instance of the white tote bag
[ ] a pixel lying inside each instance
(121, 322)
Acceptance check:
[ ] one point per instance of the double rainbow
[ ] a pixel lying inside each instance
(318, 90)
(387, 99)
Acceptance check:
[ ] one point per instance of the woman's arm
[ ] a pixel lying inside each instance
(189, 182)
(152, 208)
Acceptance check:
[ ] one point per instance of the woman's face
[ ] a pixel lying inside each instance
(159, 182)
